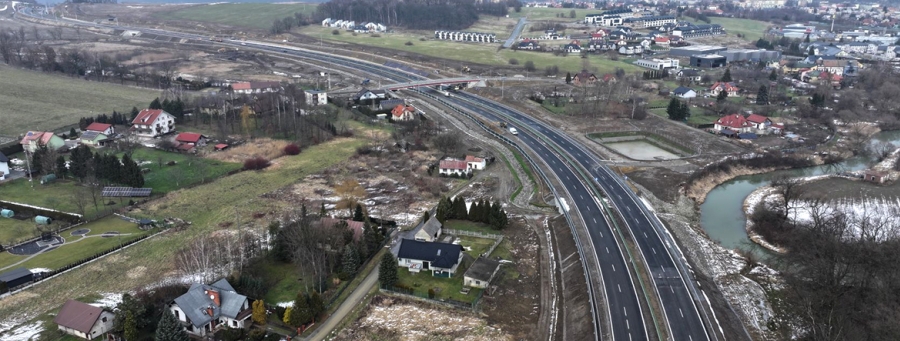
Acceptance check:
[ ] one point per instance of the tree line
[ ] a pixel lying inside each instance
(481, 211)
(415, 14)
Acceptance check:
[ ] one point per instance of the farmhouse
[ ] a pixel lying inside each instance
(475, 163)
(453, 167)
(316, 97)
(429, 231)
(36, 139)
(189, 141)
(207, 308)
(4, 166)
(255, 87)
(152, 123)
(103, 128)
(93, 138)
(481, 272)
(403, 112)
(83, 320)
(441, 259)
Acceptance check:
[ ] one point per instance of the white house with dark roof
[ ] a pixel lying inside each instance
(207, 308)
(442, 259)
(83, 320)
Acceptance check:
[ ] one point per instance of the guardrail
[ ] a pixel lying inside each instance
(546, 179)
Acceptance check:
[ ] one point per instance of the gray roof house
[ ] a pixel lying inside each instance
(481, 273)
(430, 231)
(441, 259)
(390, 103)
(684, 92)
(206, 308)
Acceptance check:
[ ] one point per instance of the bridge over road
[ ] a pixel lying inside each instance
(469, 81)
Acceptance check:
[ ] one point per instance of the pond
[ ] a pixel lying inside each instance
(722, 213)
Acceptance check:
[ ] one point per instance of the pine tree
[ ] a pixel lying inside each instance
(459, 208)
(475, 211)
(722, 95)
(61, 167)
(316, 305)
(322, 211)
(300, 315)
(37, 160)
(72, 133)
(773, 76)
(130, 329)
(568, 78)
(387, 271)
(443, 212)
(155, 104)
(134, 113)
(372, 240)
(425, 216)
(259, 312)
(684, 110)
(358, 213)
(350, 261)
(169, 329)
(762, 97)
(726, 77)
(675, 110)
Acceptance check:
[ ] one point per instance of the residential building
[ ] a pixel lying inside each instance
(573, 47)
(316, 97)
(390, 103)
(694, 31)
(365, 95)
(474, 37)
(429, 231)
(734, 123)
(103, 128)
(759, 122)
(529, 45)
(83, 320)
(481, 272)
(36, 139)
(661, 41)
(403, 112)
(692, 50)
(728, 87)
(584, 78)
(684, 92)
(204, 309)
(631, 50)
(708, 61)
(442, 259)
(190, 141)
(475, 163)
(4, 166)
(255, 87)
(152, 123)
(650, 21)
(453, 167)
(93, 138)
(689, 74)
(657, 64)
(329, 224)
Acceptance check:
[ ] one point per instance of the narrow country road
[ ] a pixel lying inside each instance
(345, 308)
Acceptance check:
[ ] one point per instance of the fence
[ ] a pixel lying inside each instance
(496, 237)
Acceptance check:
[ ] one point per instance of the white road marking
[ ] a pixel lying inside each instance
(654, 250)
(679, 311)
(620, 287)
(614, 268)
(607, 250)
(627, 326)
(595, 220)
(582, 197)
(645, 235)
(626, 312)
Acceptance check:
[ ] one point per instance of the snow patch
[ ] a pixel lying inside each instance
(109, 300)
(23, 333)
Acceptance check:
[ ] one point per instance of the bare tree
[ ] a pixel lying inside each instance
(448, 143)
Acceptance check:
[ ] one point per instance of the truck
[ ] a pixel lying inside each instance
(513, 131)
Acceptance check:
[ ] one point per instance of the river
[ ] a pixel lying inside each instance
(722, 213)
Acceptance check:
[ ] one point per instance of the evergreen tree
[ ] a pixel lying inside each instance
(676, 110)
(287, 316)
(726, 77)
(259, 312)
(685, 110)
(762, 96)
(300, 314)
(322, 211)
(425, 216)
(155, 104)
(130, 329)
(78, 161)
(61, 167)
(134, 113)
(459, 208)
(387, 271)
(806, 40)
(475, 211)
(568, 78)
(372, 240)
(773, 76)
(169, 329)
(443, 212)
(37, 160)
(72, 133)
(350, 261)
(97, 166)
(722, 96)
(358, 213)
(316, 305)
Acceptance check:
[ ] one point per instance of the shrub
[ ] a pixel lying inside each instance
(335, 32)
(363, 150)
(292, 149)
(408, 43)
(513, 61)
(375, 35)
(422, 39)
(256, 163)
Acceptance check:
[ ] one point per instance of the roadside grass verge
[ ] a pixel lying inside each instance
(33, 100)
(249, 15)
(515, 175)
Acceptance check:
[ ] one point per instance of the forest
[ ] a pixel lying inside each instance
(414, 14)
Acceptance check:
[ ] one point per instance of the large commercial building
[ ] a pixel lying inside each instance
(657, 64)
(688, 51)
(650, 21)
(708, 61)
(747, 55)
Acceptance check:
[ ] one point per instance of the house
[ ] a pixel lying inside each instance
(684, 92)
(83, 320)
(403, 112)
(103, 128)
(152, 123)
(35, 139)
(481, 272)
(528, 45)
(16, 277)
(189, 141)
(207, 308)
(735, 123)
(475, 163)
(584, 78)
(874, 176)
(453, 167)
(330, 223)
(255, 87)
(390, 103)
(728, 87)
(689, 74)
(441, 259)
(429, 231)
(661, 41)
(759, 121)
(610, 78)
(573, 47)
(316, 97)
(93, 138)
(4, 166)
(369, 95)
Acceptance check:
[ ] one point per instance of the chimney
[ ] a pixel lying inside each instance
(214, 296)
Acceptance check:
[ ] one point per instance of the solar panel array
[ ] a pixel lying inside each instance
(126, 192)
(406, 68)
(89, 135)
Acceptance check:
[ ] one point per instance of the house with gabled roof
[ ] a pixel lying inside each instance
(528, 44)
(584, 78)
(442, 259)
(573, 47)
(734, 123)
(759, 122)
(453, 167)
(93, 138)
(83, 320)
(189, 141)
(204, 309)
(402, 112)
(429, 231)
(152, 123)
(356, 227)
(36, 139)
(690, 74)
(481, 272)
(728, 87)
(103, 128)
(475, 163)
(684, 92)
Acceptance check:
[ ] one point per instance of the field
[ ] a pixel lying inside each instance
(36, 101)
(752, 30)
(697, 117)
(187, 171)
(486, 54)
(57, 195)
(250, 15)
(549, 14)
(76, 247)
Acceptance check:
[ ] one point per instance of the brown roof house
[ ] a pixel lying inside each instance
(204, 309)
(83, 320)
(584, 78)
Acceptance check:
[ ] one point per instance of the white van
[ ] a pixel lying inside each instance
(513, 131)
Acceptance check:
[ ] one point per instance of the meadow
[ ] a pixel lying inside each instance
(249, 15)
(752, 30)
(33, 100)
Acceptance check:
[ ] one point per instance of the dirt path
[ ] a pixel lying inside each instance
(346, 307)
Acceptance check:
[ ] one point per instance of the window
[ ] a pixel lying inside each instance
(103, 319)
(177, 314)
(234, 323)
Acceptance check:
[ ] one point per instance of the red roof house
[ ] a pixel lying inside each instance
(475, 162)
(734, 122)
(453, 166)
(102, 128)
(661, 40)
(728, 87)
(188, 141)
(153, 122)
(403, 112)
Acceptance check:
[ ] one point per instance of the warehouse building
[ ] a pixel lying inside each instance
(748, 55)
(15, 278)
(692, 50)
(708, 61)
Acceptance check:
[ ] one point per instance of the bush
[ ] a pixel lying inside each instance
(408, 43)
(256, 163)
(422, 39)
(513, 61)
(363, 150)
(375, 35)
(335, 32)
(292, 149)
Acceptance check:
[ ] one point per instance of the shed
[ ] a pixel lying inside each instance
(874, 176)
(728, 132)
(16, 277)
(482, 271)
(221, 146)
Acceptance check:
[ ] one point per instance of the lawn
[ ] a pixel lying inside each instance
(188, 169)
(13, 230)
(548, 104)
(57, 195)
(445, 288)
(698, 116)
(250, 15)
(486, 54)
(550, 14)
(470, 226)
(475, 246)
(288, 284)
(752, 30)
(39, 101)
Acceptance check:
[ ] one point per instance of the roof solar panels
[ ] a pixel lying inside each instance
(89, 135)
(126, 192)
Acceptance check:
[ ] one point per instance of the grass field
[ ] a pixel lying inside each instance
(76, 247)
(37, 101)
(486, 54)
(250, 15)
(752, 30)
(697, 117)
(187, 171)
(444, 287)
(550, 14)
(57, 195)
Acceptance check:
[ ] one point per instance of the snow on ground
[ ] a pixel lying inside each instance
(869, 218)
(23, 333)
(441, 322)
(769, 195)
(39, 270)
(287, 304)
(109, 300)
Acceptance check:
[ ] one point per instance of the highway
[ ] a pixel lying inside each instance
(677, 291)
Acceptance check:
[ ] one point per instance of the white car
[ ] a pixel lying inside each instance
(513, 131)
